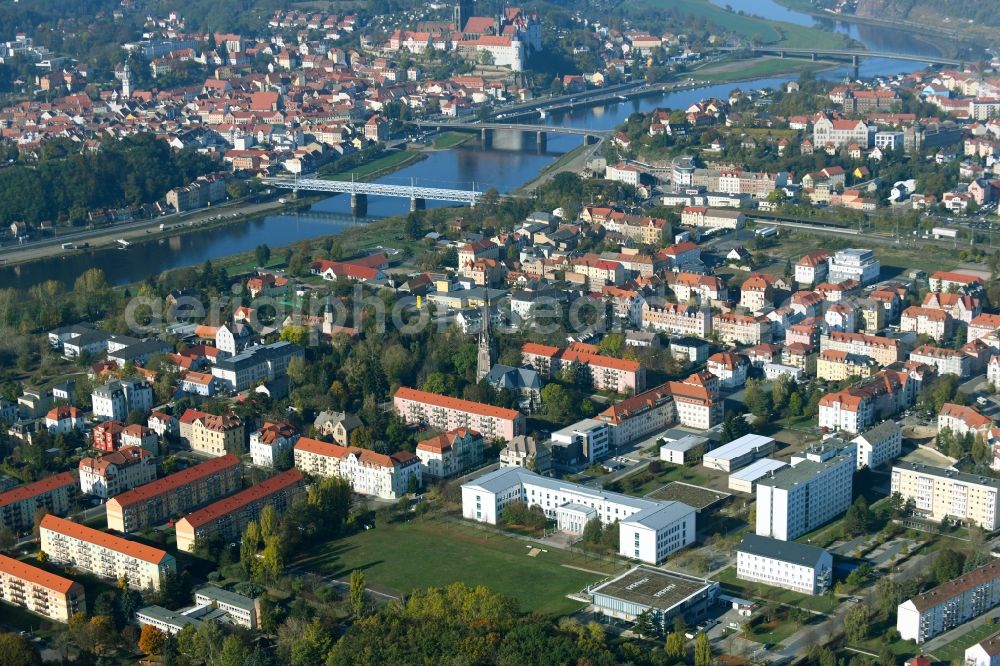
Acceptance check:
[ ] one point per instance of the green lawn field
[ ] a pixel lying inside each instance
(400, 557)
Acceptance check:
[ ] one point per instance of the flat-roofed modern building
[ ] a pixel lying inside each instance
(240, 609)
(793, 566)
(40, 591)
(738, 453)
(950, 604)
(745, 480)
(798, 499)
(105, 555)
(684, 450)
(156, 502)
(937, 492)
(649, 530)
(53, 493)
(229, 516)
(663, 594)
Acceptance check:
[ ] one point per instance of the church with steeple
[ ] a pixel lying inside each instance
(487, 349)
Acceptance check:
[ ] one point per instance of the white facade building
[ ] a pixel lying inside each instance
(950, 604)
(268, 443)
(854, 264)
(114, 400)
(879, 445)
(938, 493)
(786, 564)
(116, 472)
(649, 530)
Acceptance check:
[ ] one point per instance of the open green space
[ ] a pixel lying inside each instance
(752, 27)
(430, 553)
(955, 650)
(824, 603)
(379, 167)
(643, 482)
(447, 140)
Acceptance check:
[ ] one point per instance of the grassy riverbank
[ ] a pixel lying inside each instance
(734, 71)
(772, 33)
(383, 166)
(447, 140)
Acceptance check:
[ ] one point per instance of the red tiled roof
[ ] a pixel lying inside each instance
(36, 488)
(406, 393)
(232, 503)
(26, 572)
(73, 530)
(176, 480)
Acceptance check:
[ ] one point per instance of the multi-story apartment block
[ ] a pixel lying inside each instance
(55, 494)
(229, 516)
(793, 566)
(649, 530)
(945, 361)
(812, 268)
(64, 419)
(271, 441)
(447, 413)
(983, 325)
(112, 557)
(950, 604)
(836, 366)
(163, 424)
(592, 368)
(712, 218)
(696, 406)
(116, 472)
(960, 282)
(211, 434)
(369, 473)
(741, 329)
(836, 132)
(848, 410)
(730, 368)
(677, 319)
(854, 264)
(139, 435)
(697, 288)
(756, 293)
(962, 420)
(938, 493)
(107, 436)
(936, 324)
(800, 498)
(639, 415)
(961, 307)
(40, 591)
(263, 363)
(116, 399)
(884, 351)
(156, 502)
(450, 453)
(878, 445)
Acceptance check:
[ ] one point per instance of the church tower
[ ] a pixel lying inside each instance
(463, 10)
(126, 83)
(487, 352)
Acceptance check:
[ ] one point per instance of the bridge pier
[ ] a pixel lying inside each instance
(781, 54)
(813, 56)
(855, 69)
(359, 204)
(541, 138)
(589, 139)
(416, 203)
(486, 135)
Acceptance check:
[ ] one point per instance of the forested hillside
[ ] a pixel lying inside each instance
(984, 13)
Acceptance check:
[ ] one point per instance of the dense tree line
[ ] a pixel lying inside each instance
(65, 183)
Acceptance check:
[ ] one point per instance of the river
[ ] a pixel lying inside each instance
(512, 159)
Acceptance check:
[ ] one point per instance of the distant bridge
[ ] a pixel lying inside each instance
(360, 191)
(854, 54)
(519, 127)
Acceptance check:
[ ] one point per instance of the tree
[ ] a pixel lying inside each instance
(557, 402)
(643, 624)
(948, 565)
(234, 652)
(18, 651)
(152, 640)
(702, 650)
(858, 518)
(358, 591)
(856, 623)
(734, 426)
(887, 596)
(675, 647)
(592, 530)
(262, 253)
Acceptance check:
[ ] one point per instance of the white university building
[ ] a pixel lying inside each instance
(649, 530)
(786, 564)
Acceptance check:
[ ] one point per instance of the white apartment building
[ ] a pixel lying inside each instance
(677, 319)
(945, 361)
(935, 324)
(730, 368)
(450, 453)
(369, 473)
(950, 604)
(812, 268)
(263, 363)
(116, 472)
(962, 420)
(793, 566)
(854, 264)
(623, 173)
(40, 591)
(116, 399)
(839, 132)
(649, 530)
(105, 555)
(640, 415)
(270, 442)
(879, 445)
(938, 493)
(811, 492)
(848, 410)
(63, 420)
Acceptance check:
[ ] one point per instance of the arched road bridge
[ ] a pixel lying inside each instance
(589, 135)
(359, 191)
